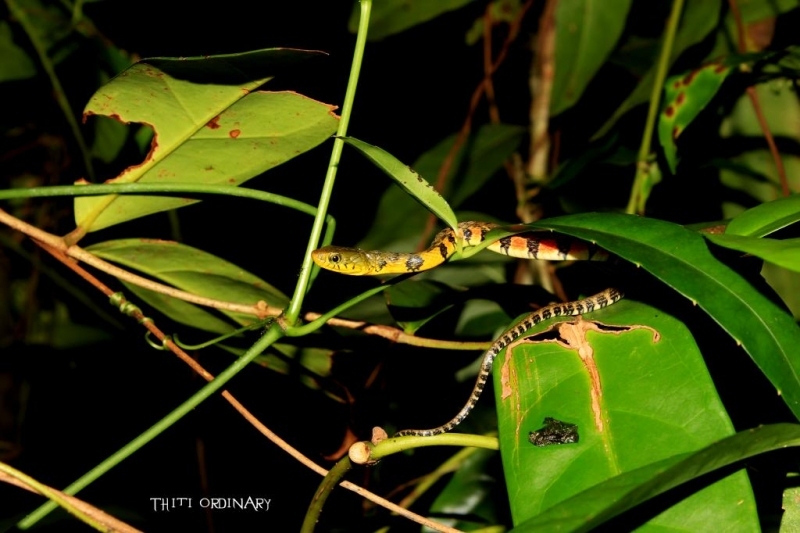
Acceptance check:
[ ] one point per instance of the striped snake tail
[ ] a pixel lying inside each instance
(580, 307)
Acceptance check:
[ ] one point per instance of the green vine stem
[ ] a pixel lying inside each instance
(159, 188)
(329, 482)
(643, 160)
(293, 311)
(20, 13)
(365, 452)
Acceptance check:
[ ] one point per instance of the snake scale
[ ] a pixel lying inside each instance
(357, 262)
(530, 245)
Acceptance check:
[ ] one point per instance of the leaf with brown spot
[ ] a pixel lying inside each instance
(210, 126)
(686, 96)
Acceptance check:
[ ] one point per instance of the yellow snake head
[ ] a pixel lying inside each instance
(350, 261)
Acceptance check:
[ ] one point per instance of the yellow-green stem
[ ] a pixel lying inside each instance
(642, 161)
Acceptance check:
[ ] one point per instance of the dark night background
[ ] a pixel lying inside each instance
(84, 404)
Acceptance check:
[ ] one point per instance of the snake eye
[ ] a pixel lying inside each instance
(335, 258)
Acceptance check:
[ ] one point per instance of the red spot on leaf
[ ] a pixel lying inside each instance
(669, 111)
(213, 123)
(675, 132)
(689, 77)
(232, 181)
(680, 98)
(235, 133)
(209, 167)
(720, 69)
(676, 85)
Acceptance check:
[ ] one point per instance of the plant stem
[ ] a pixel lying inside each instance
(642, 162)
(329, 482)
(158, 188)
(21, 14)
(293, 310)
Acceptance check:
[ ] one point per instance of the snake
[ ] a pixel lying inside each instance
(529, 245)
(357, 262)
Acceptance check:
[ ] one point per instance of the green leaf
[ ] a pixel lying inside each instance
(16, 64)
(685, 96)
(635, 411)
(414, 303)
(181, 311)
(626, 491)
(785, 253)
(586, 32)
(755, 10)
(476, 163)
(468, 494)
(698, 19)
(681, 259)
(210, 127)
(194, 271)
(393, 16)
(399, 223)
(410, 181)
(481, 318)
(766, 218)
(790, 521)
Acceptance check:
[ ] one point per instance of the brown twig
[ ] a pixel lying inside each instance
(259, 309)
(488, 22)
(755, 102)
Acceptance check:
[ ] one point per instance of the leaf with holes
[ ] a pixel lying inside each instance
(210, 126)
(592, 401)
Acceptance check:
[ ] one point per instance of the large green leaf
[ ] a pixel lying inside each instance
(586, 32)
(631, 409)
(210, 126)
(194, 271)
(682, 260)
(626, 491)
